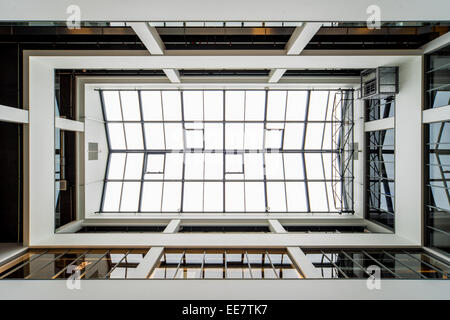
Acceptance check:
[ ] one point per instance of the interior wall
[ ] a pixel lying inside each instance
(94, 132)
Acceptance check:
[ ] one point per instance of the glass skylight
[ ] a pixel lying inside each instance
(224, 151)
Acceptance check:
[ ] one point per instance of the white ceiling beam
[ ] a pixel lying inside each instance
(437, 43)
(69, 125)
(173, 75)
(16, 115)
(148, 264)
(173, 226)
(301, 36)
(149, 37)
(311, 59)
(154, 44)
(302, 262)
(275, 226)
(275, 75)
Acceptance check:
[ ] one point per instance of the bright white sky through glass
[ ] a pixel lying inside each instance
(219, 151)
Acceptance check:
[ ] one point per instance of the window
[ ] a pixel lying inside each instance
(391, 263)
(63, 263)
(225, 264)
(437, 78)
(437, 185)
(380, 108)
(380, 177)
(228, 151)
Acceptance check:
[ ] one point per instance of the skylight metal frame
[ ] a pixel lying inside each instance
(337, 153)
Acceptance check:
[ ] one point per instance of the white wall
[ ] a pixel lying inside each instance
(231, 10)
(225, 289)
(94, 132)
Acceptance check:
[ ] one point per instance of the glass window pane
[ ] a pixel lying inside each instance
(133, 134)
(317, 196)
(213, 197)
(130, 105)
(111, 103)
(234, 196)
(255, 105)
(253, 166)
(213, 166)
(130, 196)
(234, 105)
(254, 135)
(134, 166)
(116, 136)
(116, 166)
(193, 197)
(293, 136)
(151, 196)
(234, 136)
(276, 105)
(313, 163)
(112, 196)
(151, 105)
(173, 135)
(193, 105)
(314, 133)
(171, 197)
(213, 136)
(293, 165)
(296, 197)
(154, 136)
(171, 105)
(276, 196)
(296, 105)
(254, 197)
(213, 105)
(194, 166)
(174, 166)
(274, 166)
(318, 105)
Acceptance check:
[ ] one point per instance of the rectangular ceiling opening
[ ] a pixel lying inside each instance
(228, 151)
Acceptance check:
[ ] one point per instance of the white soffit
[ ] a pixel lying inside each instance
(232, 10)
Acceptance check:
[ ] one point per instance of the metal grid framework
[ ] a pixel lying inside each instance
(225, 264)
(437, 185)
(381, 177)
(391, 263)
(380, 108)
(262, 151)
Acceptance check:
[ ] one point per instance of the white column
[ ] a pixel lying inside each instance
(408, 151)
(39, 218)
